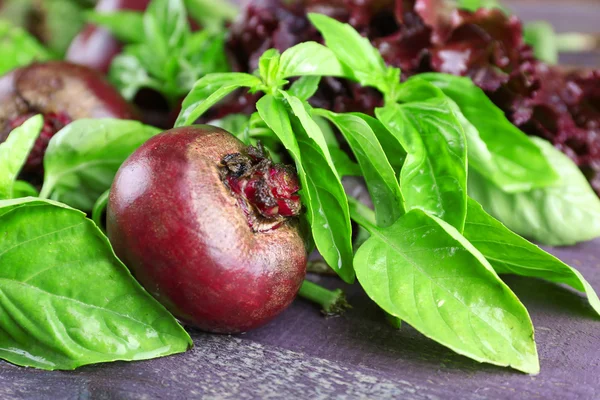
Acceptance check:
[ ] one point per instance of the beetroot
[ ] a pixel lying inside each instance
(62, 92)
(96, 47)
(209, 228)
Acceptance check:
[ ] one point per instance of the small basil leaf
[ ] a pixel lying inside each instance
(129, 75)
(208, 91)
(361, 60)
(343, 164)
(434, 176)
(505, 155)
(560, 215)
(268, 67)
(165, 25)
(24, 189)
(67, 300)
(541, 36)
(426, 273)
(305, 87)
(210, 13)
(511, 254)
(377, 171)
(63, 20)
(127, 26)
(322, 192)
(14, 152)
(18, 48)
(309, 58)
(83, 158)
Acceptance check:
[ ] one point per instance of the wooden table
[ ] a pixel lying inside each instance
(303, 355)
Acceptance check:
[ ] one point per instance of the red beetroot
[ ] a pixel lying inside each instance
(208, 227)
(62, 92)
(95, 47)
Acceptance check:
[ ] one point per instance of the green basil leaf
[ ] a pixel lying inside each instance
(210, 13)
(165, 26)
(560, 215)
(361, 60)
(509, 253)
(236, 124)
(14, 152)
(208, 91)
(343, 164)
(541, 36)
(500, 151)
(129, 75)
(434, 176)
(67, 300)
(322, 192)
(63, 20)
(426, 273)
(18, 48)
(83, 158)
(309, 58)
(474, 5)
(395, 153)
(377, 171)
(305, 87)
(268, 67)
(127, 26)
(24, 189)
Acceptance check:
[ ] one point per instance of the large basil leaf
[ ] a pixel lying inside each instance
(377, 171)
(309, 59)
(208, 91)
(18, 48)
(434, 175)
(511, 254)
(497, 148)
(322, 193)
(67, 300)
(559, 215)
(424, 272)
(83, 158)
(14, 152)
(363, 62)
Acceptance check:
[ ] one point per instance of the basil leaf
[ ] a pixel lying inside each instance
(208, 91)
(560, 215)
(63, 20)
(322, 193)
(129, 75)
(541, 36)
(511, 254)
(305, 87)
(18, 48)
(500, 151)
(377, 171)
(24, 189)
(434, 176)
(127, 26)
(210, 13)
(424, 272)
(268, 68)
(83, 158)
(361, 60)
(15, 151)
(67, 300)
(309, 58)
(343, 164)
(394, 151)
(165, 26)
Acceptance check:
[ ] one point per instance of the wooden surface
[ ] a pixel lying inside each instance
(302, 355)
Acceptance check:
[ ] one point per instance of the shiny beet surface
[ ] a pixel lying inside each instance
(187, 238)
(96, 47)
(62, 92)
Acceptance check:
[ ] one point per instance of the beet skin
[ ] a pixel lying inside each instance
(186, 237)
